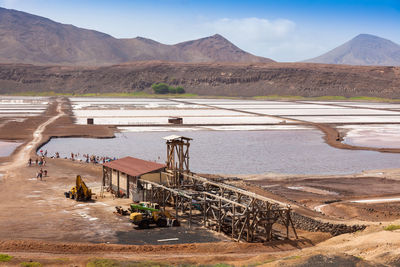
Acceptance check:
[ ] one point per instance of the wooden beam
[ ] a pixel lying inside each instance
(238, 190)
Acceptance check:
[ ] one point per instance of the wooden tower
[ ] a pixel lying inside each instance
(178, 156)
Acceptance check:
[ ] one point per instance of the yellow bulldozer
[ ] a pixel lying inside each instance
(80, 192)
(146, 213)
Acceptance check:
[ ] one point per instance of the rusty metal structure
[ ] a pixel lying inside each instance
(240, 214)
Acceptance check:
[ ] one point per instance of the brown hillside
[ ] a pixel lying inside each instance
(303, 79)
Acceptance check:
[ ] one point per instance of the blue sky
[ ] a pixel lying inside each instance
(284, 30)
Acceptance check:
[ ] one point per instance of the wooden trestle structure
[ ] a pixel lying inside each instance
(243, 215)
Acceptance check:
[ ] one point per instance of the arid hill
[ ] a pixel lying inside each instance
(27, 38)
(225, 79)
(364, 49)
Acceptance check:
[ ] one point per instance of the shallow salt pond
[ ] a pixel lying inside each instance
(7, 148)
(237, 152)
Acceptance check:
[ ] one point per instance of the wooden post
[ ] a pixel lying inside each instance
(104, 176)
(233, 220)
(187, 155)
(190, 214)
(163, 196)
(219, 215)
(142, 190)
(151, 194)
(205, 210)
(176, 206)
(293, 228)
(247, 226)
(127, 186)
(118, 183)
(109, 171)
(287, 223)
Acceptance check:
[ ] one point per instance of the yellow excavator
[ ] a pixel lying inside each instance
(80, 192)
(146, 213)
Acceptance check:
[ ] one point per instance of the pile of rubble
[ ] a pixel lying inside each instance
(309, 224)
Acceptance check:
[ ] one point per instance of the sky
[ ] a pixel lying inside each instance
(284, 30)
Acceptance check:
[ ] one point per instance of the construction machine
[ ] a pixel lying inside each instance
(146, 213)
(80, 192)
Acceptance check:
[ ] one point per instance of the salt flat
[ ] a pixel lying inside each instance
(235, 114)
(328, 111)
(15, 108)
(144, 120)
(373, 135)
(154, 112)
(376, 105)
(348, 119)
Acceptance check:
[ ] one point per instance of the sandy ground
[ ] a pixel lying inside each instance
(38, 223)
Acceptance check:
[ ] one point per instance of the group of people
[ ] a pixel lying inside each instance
(91, 158)
(96, 159)
(41, 173)
(41, 161)
(77, 157)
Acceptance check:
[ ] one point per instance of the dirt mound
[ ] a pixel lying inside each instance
(89, 248)
(319, 260)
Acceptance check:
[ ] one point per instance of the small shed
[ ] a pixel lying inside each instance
(175, 120)
(122, 175)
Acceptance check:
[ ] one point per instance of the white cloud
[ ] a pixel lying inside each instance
(254, 29)
(269, 38)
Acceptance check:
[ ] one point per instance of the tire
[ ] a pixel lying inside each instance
(175, 223)
(144, 224)
(162, 222)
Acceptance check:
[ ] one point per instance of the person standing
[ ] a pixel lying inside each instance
(41, 174)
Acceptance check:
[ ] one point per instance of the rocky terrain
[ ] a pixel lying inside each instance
(225, 79)
(364, 49)
(27, 38)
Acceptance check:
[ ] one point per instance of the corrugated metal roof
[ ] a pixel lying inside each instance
(172, 137)
(175, 137)
(134, 166)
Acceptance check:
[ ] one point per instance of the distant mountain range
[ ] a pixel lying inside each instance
(27, 38)
(31, 39)
(364, 49)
